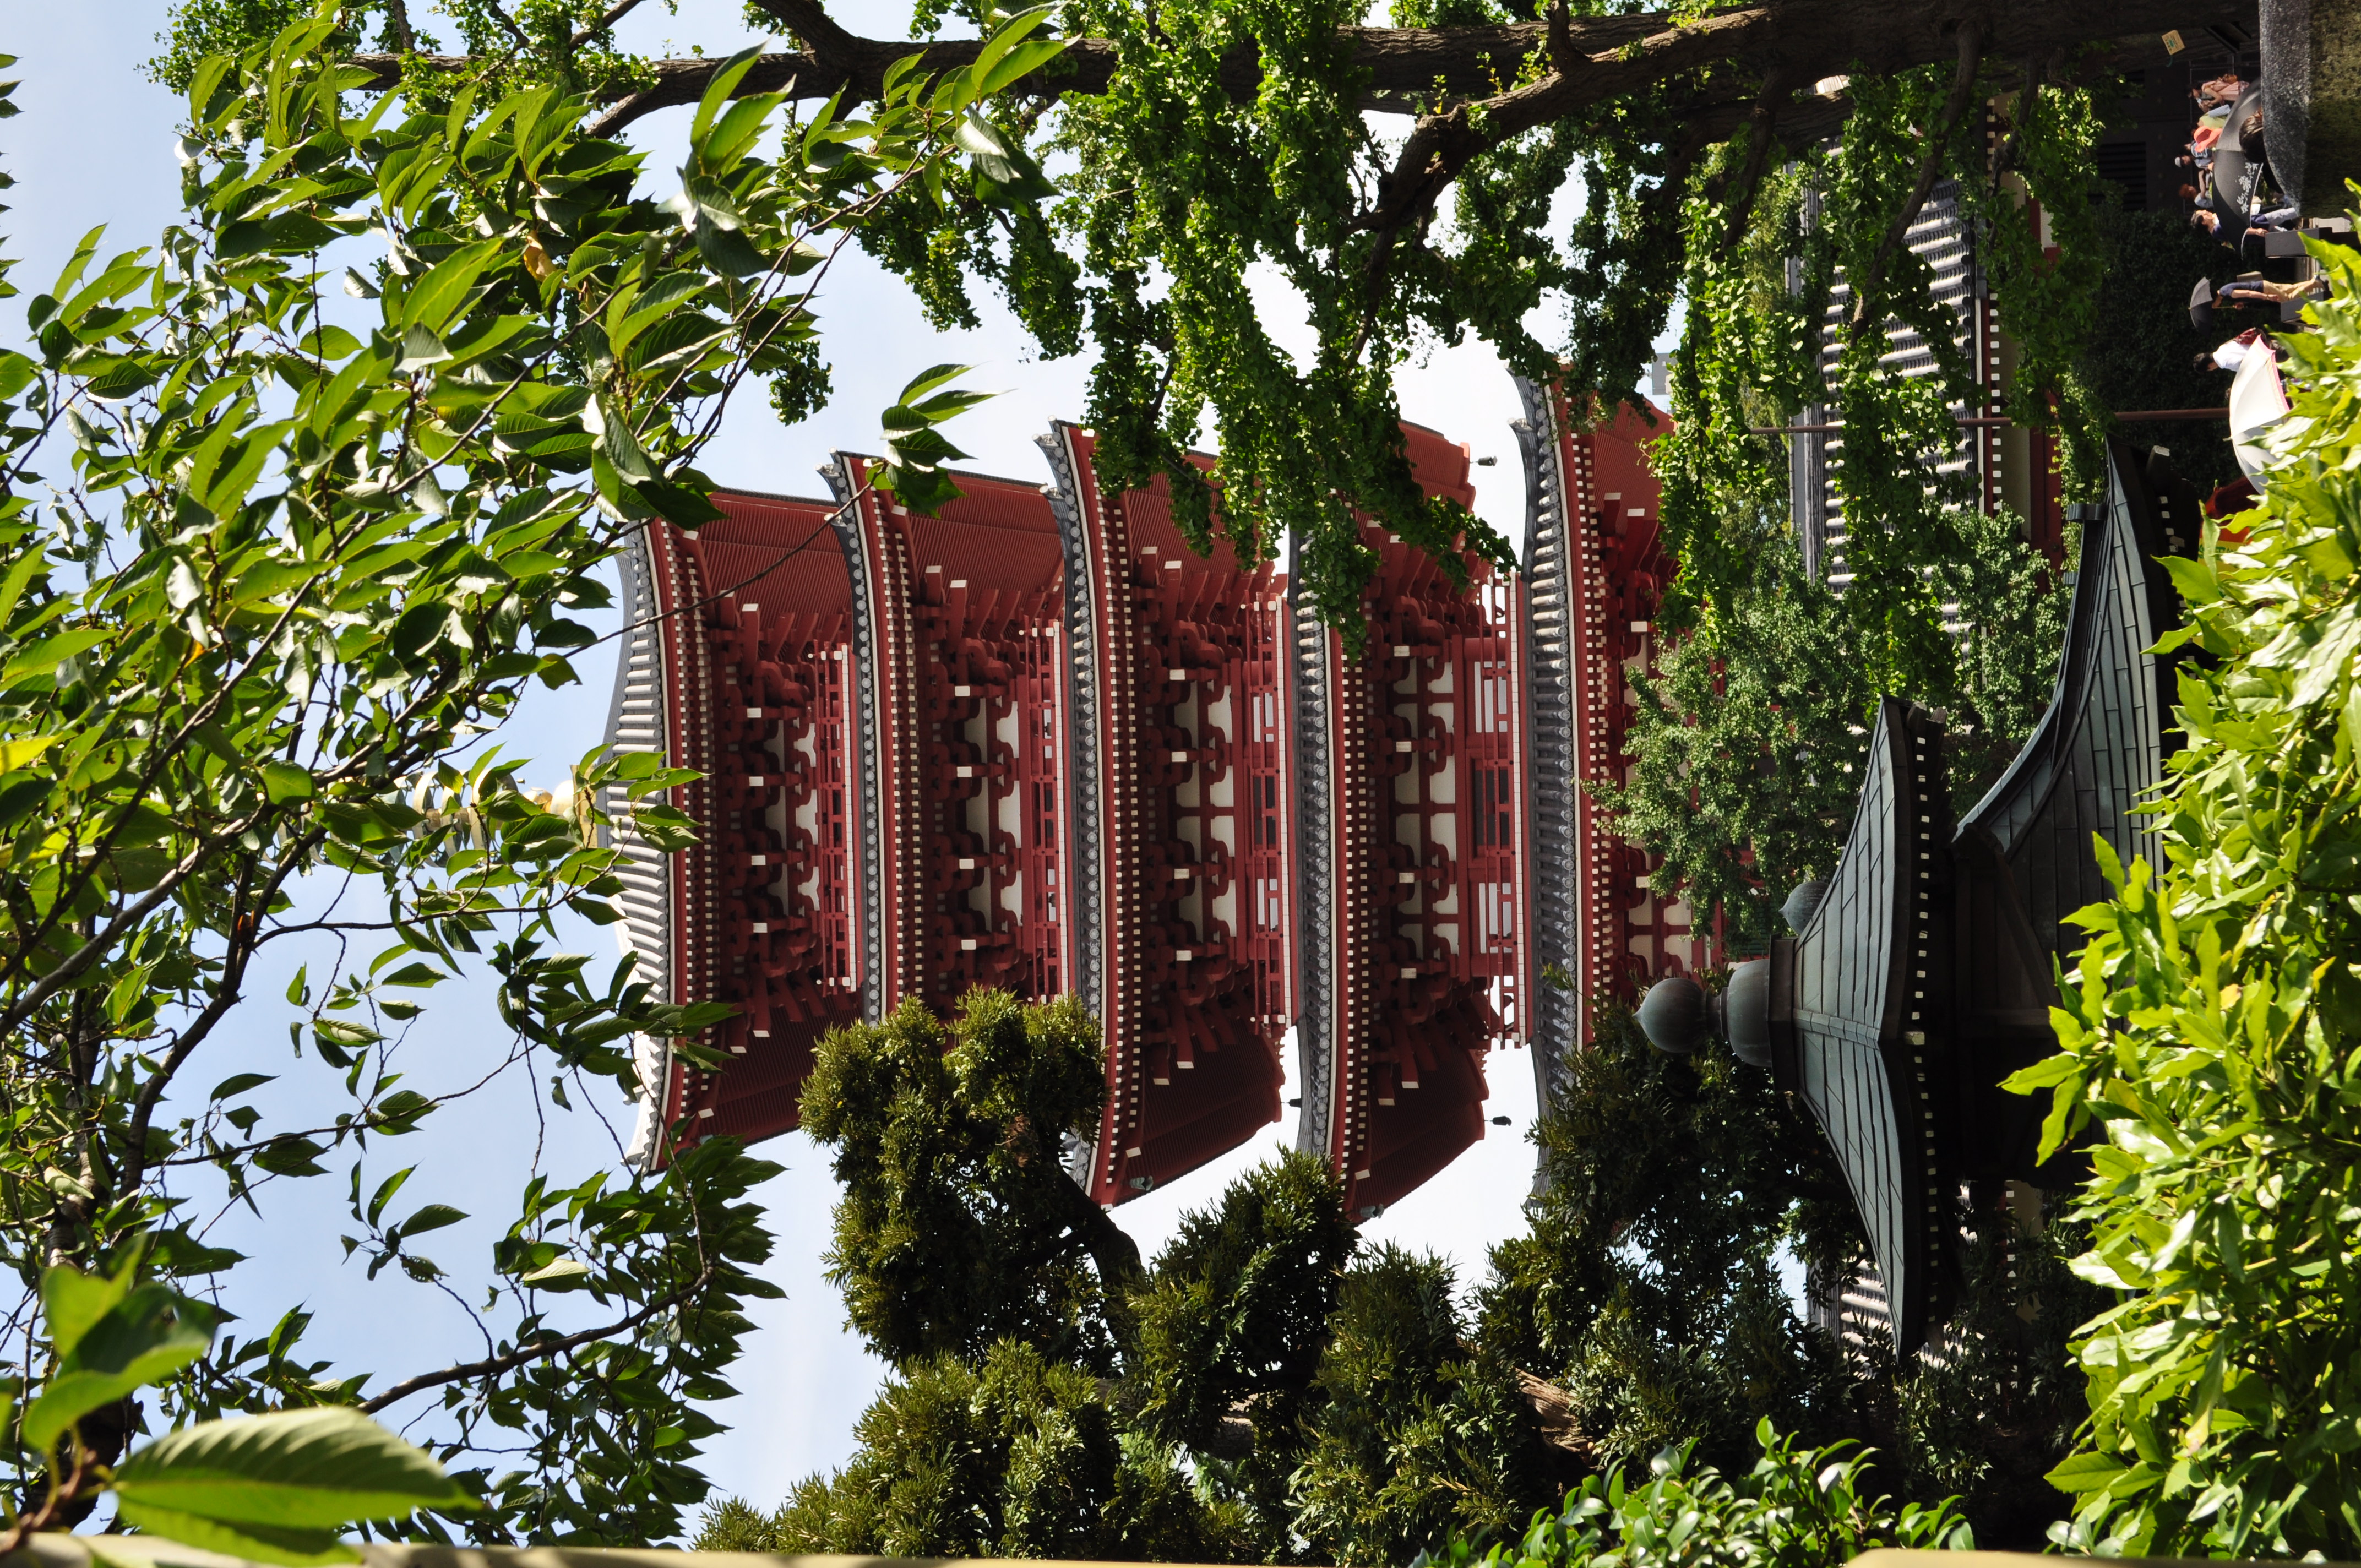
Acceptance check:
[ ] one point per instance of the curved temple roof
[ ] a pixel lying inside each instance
(1926, 974)
(1854, 1025)
(2025, 851)
(1179, 875)
(1412, 893)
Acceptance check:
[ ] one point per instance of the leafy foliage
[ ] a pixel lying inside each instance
(311, 529)
(2209, 1030)
(1238, 1307)
(1648, 1285)
(1335, 1402)
(1984, 1422)
(1417, 1434)
(1747, 742)
(1326, 1403)
(280, 1487)
(1798, 1508)
(959, 1227)
(1014, 1457)
(1187, 186)
(1750, 358)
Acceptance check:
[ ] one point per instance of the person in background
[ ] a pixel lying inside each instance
(2220, 90)
(2233, 353)
(2263, 291)
(2257, 225)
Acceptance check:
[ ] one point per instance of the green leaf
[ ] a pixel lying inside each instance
(385, 1191)
(704, 202)
(293, 1548)
(924, 489)
(291, 1153)
(679, 504)
(666, 827)
(980, 140)
(1020, 62)
(44, 657)
(2086, 1473)
(313, 1469)
(435, 298)
(717, 92)
(329, 343)
(728, 250)
(285, 781)
(239, 1082)
(121, 379)
(206, 98)
(565, 1274)
(927, 381)
(281, 234)
(145, 1337)
(73, 1302)
(20, 793)
(431, 1217)
(923, 448)
(15, 754)
(677, 340)
(736, 131)
(616, 444)
(420, 348)
(2322, 670)
(2043, 1074)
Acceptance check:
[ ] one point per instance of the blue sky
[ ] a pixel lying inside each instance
(93, 145)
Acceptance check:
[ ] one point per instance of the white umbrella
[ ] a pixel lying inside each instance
(2258, 401)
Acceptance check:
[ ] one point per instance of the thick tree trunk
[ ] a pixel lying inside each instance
(1602, 58)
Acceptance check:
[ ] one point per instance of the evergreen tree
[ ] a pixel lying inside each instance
(1012, 1457)
(959, 1227)
(1678, 1188)
(1748, 739)
(1270, 1389)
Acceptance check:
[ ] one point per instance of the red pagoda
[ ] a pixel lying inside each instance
(1037, 742)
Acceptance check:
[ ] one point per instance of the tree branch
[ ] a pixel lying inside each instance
(615, 13)
(1113, 1254)
(1402, 66)
(1407, 69)
(1931, 166)
(523, 1355)
(1443, 144)
(1760, 125)
(505, 20)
